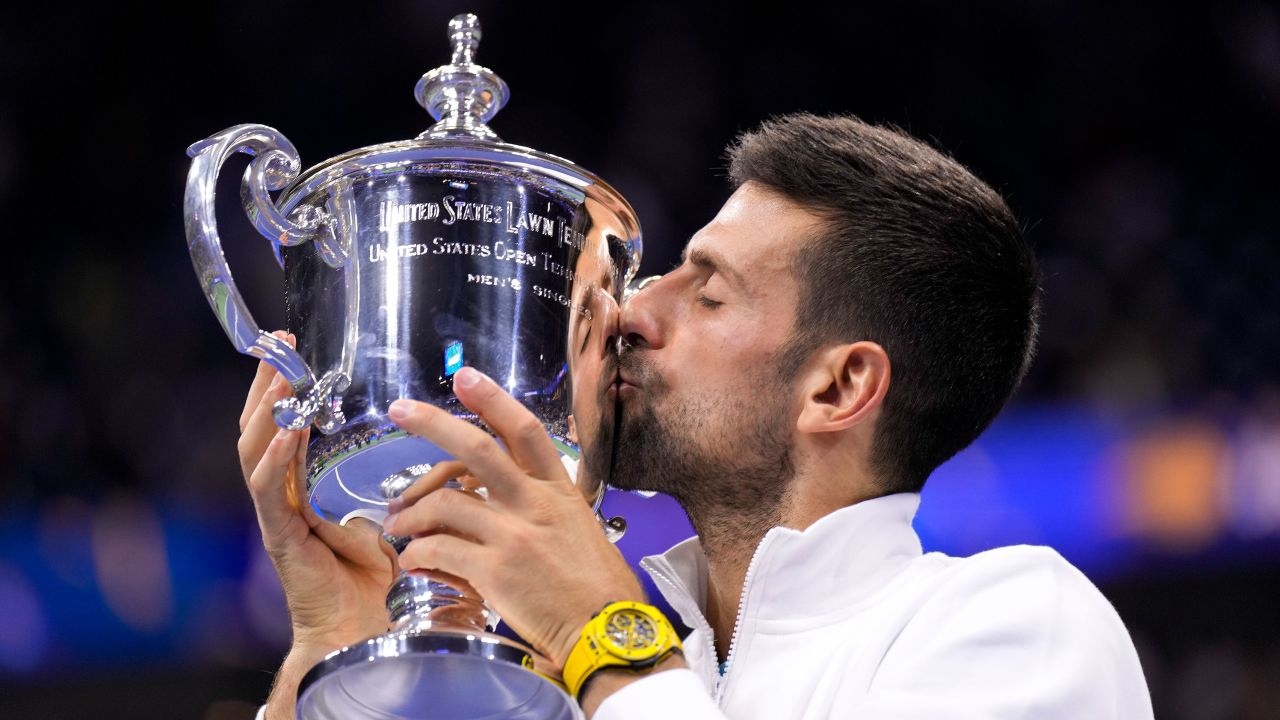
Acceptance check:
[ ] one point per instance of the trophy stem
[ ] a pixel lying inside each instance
(431, 600)
(417, 602)
(440, 659)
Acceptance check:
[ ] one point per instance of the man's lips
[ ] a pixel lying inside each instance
(624, 386)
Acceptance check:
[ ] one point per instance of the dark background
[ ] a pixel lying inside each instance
(1138, 145)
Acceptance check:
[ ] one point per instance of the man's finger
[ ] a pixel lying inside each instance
(525, 436)
(471, 446)
(261, 380)
(445, 553)
(435, 478)
(359, 541)
(456, 510)
(297, 486)
(261, 428)
(277, 517)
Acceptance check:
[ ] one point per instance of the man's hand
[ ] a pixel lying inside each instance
(533, 549)
(335, 577)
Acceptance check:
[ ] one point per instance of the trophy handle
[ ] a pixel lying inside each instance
(275, 163)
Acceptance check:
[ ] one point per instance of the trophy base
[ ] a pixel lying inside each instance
(425, 675)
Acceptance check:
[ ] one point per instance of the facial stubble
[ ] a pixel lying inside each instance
(725, 458)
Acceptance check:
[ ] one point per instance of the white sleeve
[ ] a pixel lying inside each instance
(1019, 634)
(262, 713)
(671, 695)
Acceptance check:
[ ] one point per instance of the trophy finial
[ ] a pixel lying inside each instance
(465, 34)
(462, 96)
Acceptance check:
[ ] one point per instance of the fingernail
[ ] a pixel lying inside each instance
(468, 377)
(395, 506)
(275, 382)
(389, 521)
(400, 409)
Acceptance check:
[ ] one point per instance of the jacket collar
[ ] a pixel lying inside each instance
(834, 564)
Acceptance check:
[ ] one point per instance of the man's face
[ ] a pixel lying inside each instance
(704, 413)
(592, 362)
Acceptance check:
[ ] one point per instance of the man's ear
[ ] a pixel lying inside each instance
(845, 386)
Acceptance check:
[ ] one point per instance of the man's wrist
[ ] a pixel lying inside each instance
(625, 634)
(607, 681)
(283, 700)
(571, 633)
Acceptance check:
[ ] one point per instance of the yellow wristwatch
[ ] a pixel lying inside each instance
(628, 635)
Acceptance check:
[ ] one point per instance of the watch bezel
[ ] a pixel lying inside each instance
(603, 638)
(595, 649)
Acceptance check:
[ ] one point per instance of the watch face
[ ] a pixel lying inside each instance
(631, 632)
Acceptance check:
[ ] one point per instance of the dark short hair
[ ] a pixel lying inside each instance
(915, 254)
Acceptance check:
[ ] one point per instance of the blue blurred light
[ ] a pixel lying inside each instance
(1039, 475)
(23, 629)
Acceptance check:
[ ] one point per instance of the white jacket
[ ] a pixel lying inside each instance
(848, 619)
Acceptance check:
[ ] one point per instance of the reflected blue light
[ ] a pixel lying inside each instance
(452, 358)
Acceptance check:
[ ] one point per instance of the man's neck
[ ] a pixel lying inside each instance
(729, 539)
(729, 542)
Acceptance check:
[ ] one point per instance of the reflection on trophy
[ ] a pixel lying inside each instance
(403, 262)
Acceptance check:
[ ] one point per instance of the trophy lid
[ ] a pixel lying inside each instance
(462, 97)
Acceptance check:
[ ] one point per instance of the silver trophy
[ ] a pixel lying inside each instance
(402, 263)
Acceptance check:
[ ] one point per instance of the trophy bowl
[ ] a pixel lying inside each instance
(403, 262)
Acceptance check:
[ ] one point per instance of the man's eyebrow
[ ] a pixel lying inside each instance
(706, 260)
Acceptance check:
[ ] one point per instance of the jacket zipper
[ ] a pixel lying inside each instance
(703, 626)
(723, 680)
(717, 681)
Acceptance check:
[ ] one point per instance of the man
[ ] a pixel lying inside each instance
(858, 312)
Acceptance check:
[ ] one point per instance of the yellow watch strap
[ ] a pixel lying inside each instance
(527, 663)
(588, 655)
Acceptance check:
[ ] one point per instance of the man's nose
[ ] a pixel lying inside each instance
(640, 324)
